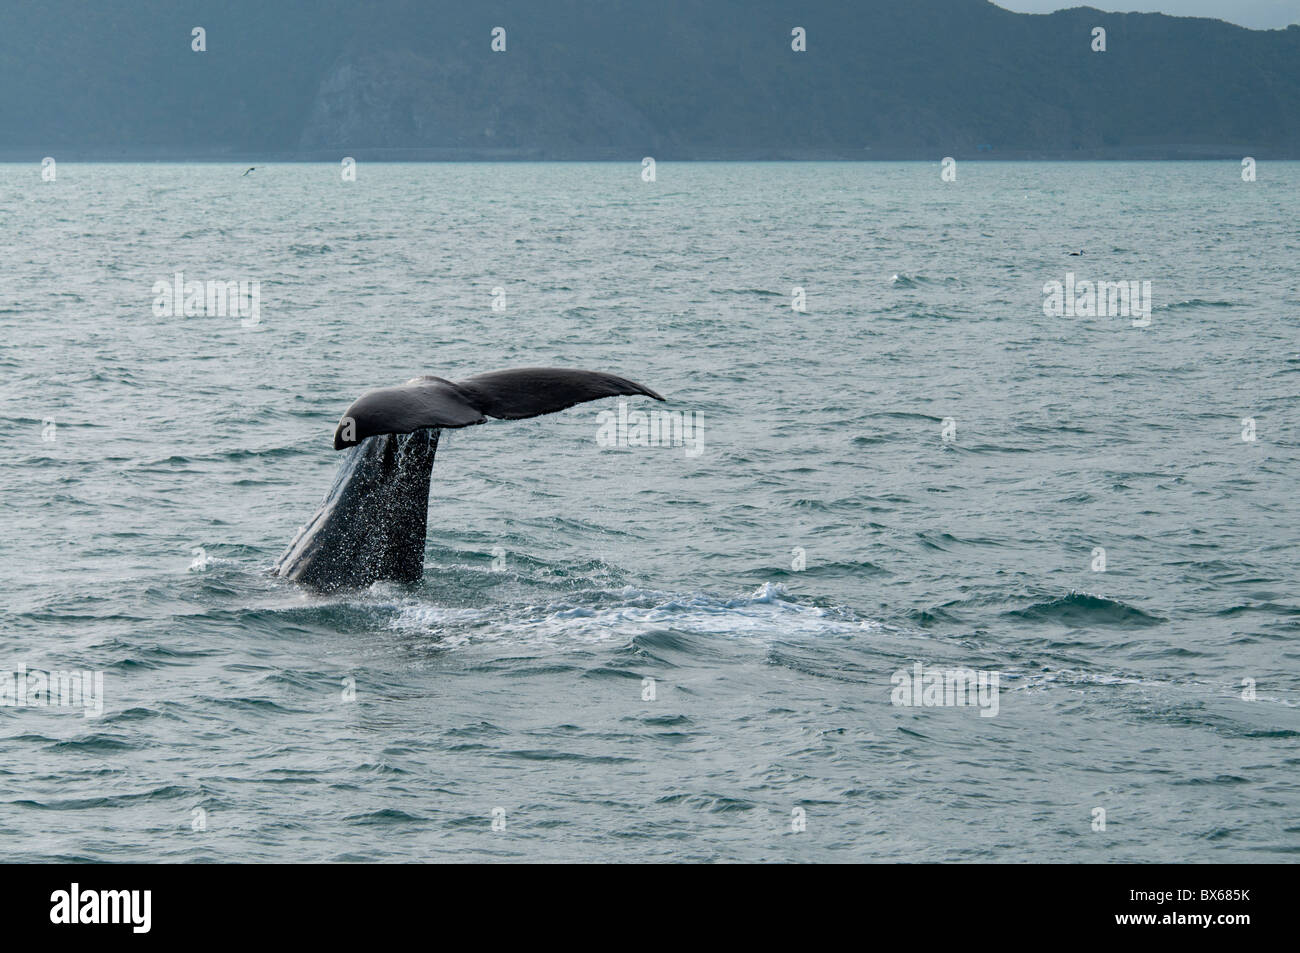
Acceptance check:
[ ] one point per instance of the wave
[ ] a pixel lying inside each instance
(904, 280)
(1085, 609)
(1190, 303)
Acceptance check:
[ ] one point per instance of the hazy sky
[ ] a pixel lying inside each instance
(1258, 14)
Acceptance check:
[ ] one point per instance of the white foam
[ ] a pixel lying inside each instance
(601, 615)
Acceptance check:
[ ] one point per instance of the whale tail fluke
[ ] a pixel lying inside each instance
(509, 395)
(373, 521)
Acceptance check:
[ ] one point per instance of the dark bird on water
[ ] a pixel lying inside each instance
(251, 168)
(373, 521)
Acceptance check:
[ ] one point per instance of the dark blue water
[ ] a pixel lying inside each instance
(562, 575)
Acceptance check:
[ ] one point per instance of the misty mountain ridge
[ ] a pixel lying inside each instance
(677, 79)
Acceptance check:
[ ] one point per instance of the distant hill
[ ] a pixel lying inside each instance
(620, 79)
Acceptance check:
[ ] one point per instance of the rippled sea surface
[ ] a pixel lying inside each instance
(512, 684)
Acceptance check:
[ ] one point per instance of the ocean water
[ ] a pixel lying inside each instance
(641, 653)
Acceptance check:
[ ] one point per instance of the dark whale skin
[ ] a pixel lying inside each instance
(508, 395)
(372, 523)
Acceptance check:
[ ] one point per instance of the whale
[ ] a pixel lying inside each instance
(373, 522)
